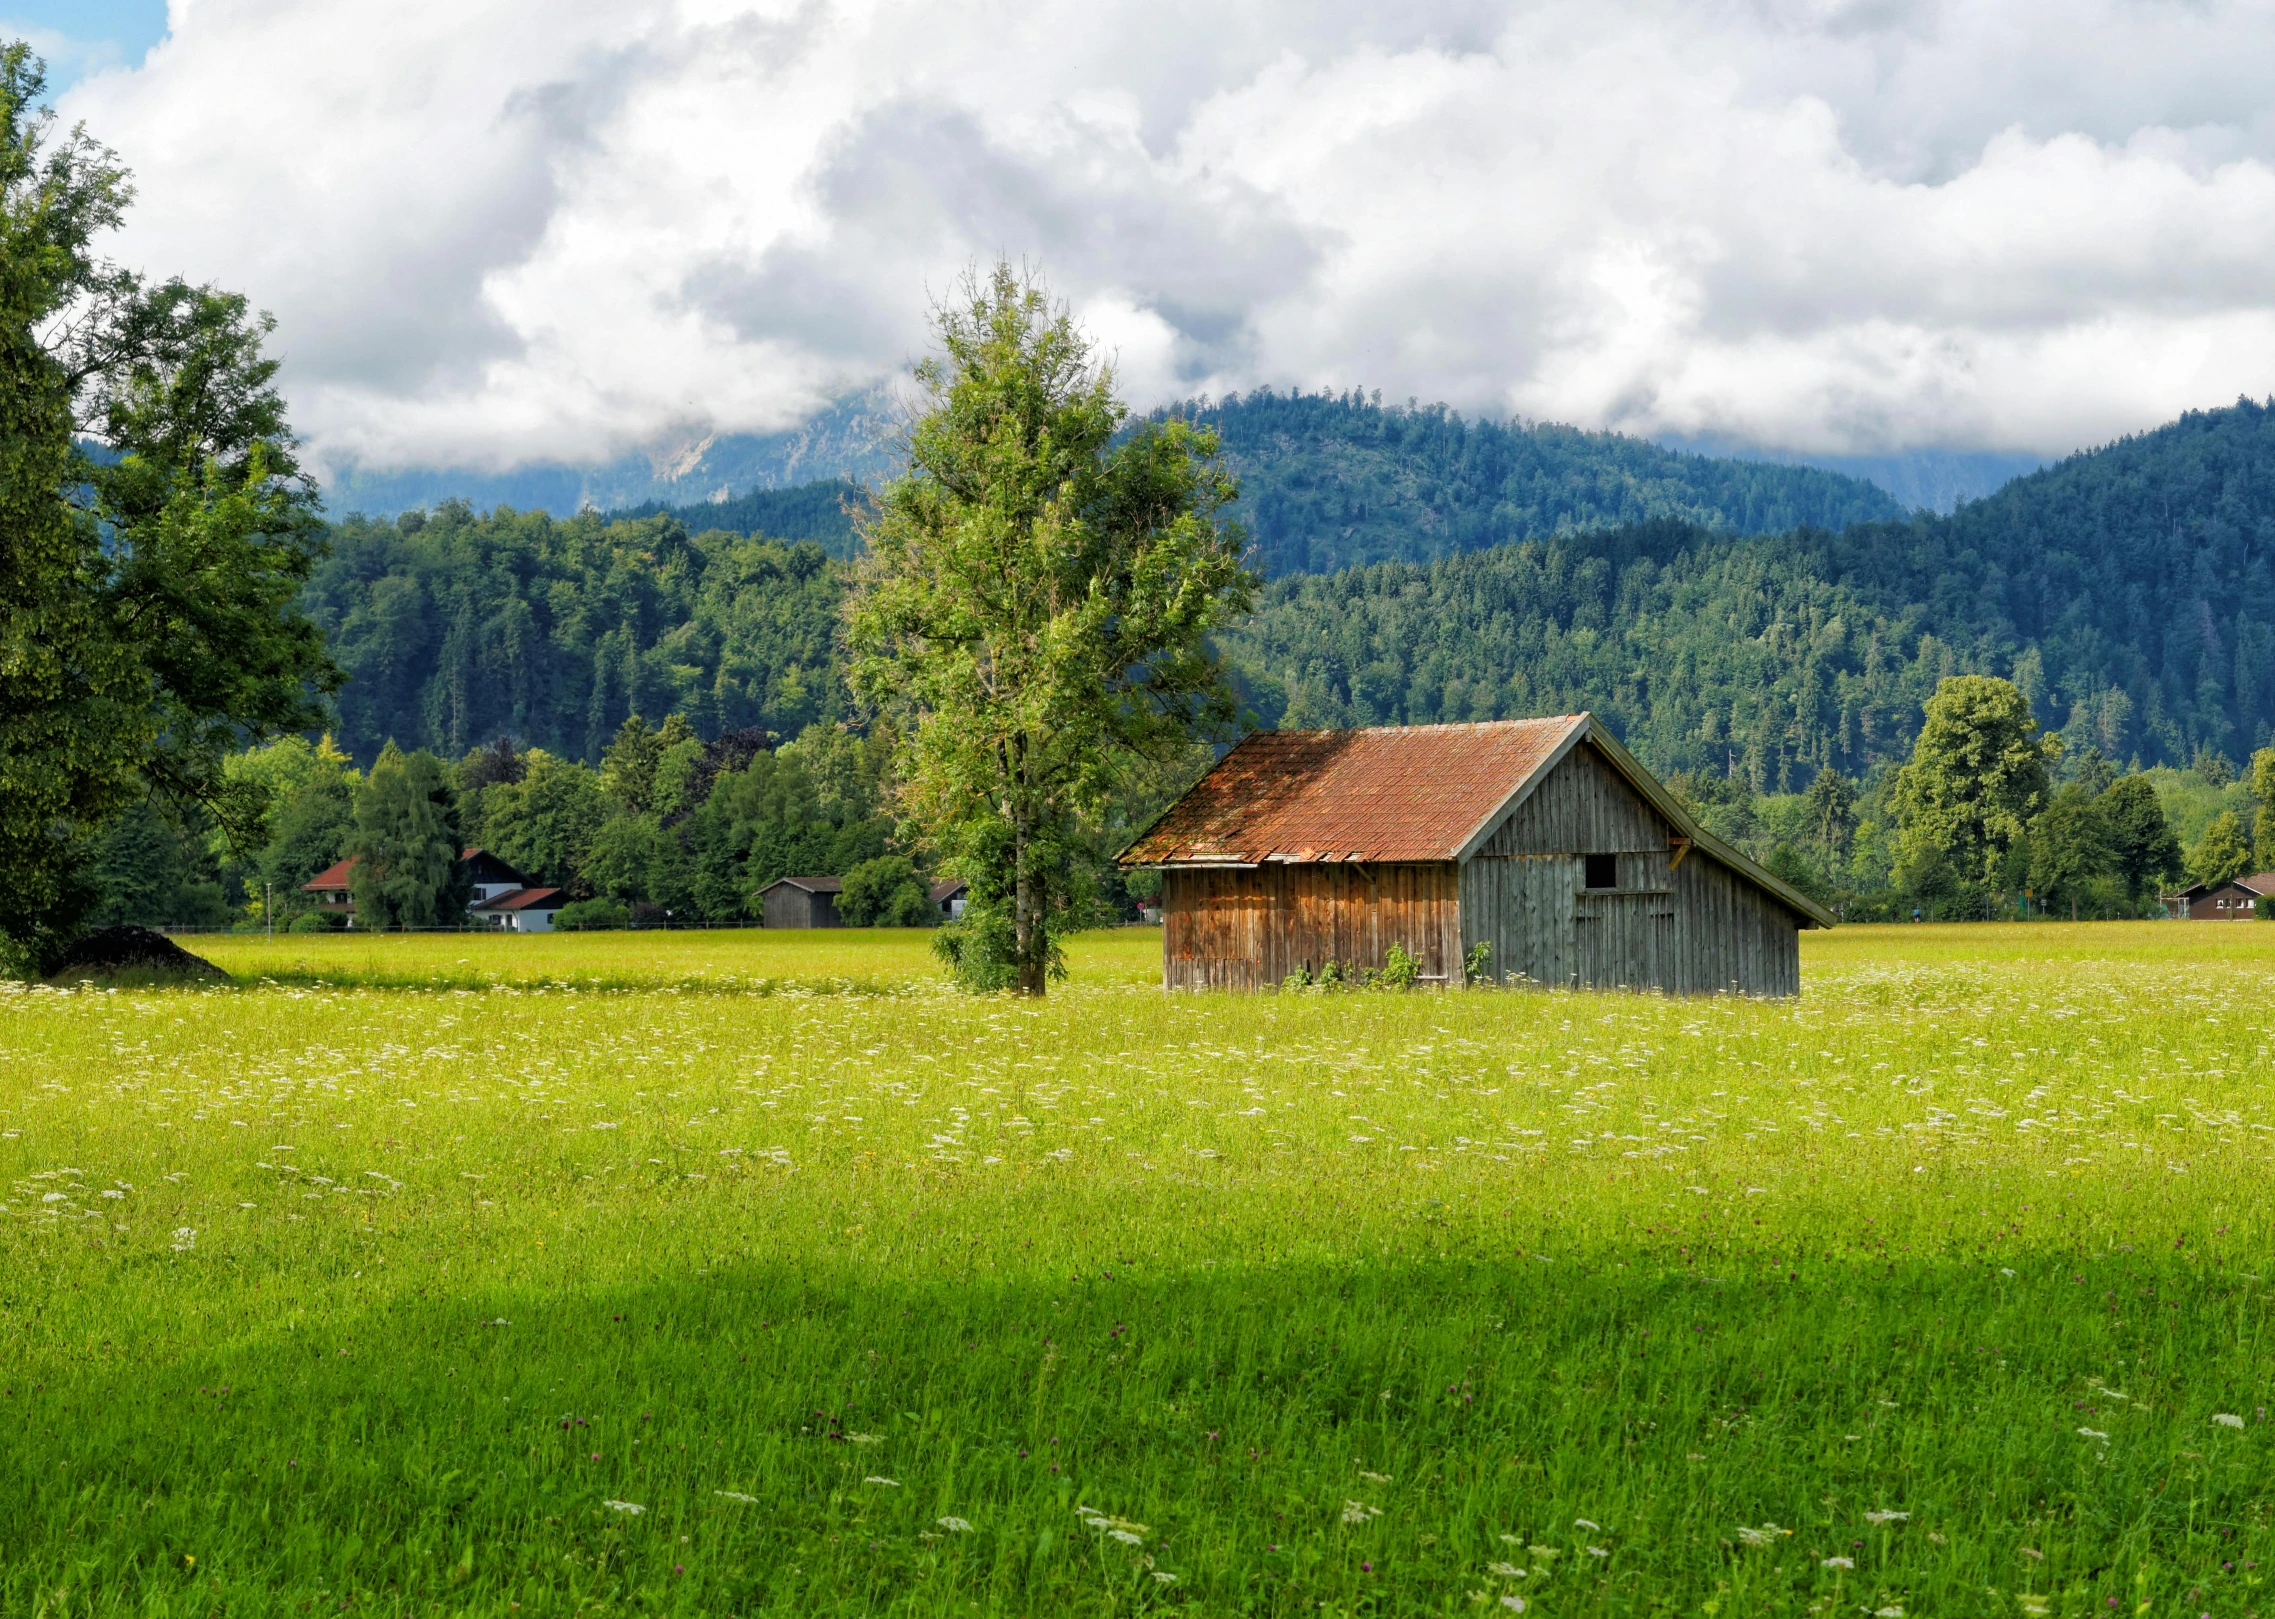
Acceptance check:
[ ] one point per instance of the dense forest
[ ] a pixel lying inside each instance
(1338, 480)
(819, 512)
(456, 629)
(1334, 481)
(2126, 591)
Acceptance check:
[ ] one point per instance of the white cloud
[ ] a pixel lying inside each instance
(552, 228)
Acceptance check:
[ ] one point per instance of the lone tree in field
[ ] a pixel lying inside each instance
(1034, 604)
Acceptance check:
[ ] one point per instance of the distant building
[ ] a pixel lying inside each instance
(330, 890)
(502, 897)
(2221, 902)
(801, 902)
(1543, 841)
(950, 896)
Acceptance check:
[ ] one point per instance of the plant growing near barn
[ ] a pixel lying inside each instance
(1035, 604)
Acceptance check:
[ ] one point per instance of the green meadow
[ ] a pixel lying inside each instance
(733, 1274)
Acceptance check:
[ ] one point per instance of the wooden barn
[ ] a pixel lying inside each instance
(801, 902)
(1542, 839)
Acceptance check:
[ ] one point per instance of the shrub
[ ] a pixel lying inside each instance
(885, 893)
(592, 913)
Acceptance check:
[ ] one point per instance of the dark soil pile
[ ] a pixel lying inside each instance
(133, 953)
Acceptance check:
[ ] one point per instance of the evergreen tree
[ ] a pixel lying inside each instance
(1036, 603)
(405, 844)
(1832, 812)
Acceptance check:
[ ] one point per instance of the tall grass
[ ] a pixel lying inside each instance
(1929, 1291)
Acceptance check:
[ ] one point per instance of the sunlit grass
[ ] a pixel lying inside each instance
(745, 960)
(1356, 1300)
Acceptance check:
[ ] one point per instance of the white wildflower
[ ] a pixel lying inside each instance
(1582, 1523)
(1125, 1537)
(2228, 1419)
(864, 1439)
(1840, 1562)
(1513, 1602)
(633, 1508)
(1544, 1553)
(737, 1495)
(2094, 1433)
(1755, 1537)
(109, 1193)
(1889, 1612)
(1886, 1517)
(1507, 1571)
(1359, 1512)
(889, 1483)
(1598, 1551)
(185, 1239)
(954, 1526)
(1164, 1577)
(1375, 1478)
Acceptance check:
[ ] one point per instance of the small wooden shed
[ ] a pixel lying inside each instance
(1542, 839)
(801, 902)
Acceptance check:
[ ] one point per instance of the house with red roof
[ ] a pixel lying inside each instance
(1514, 851)
(502, 897)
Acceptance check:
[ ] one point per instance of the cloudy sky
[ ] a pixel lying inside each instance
(503, 230)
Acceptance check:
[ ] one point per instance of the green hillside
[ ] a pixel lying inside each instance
(2128, 590)
(456, 628)
(1339, 480)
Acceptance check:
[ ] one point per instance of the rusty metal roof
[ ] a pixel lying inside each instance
(1405, 792)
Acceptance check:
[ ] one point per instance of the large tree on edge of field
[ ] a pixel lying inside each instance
(1035, 606)
(1976, 779)
(148, 618)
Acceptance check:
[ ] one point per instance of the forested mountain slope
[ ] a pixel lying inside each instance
(457, 628)
(2141, 574)
(1339, 480)
(2127, 591)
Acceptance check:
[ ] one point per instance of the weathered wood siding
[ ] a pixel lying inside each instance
(1248, 929)
(1696, 928)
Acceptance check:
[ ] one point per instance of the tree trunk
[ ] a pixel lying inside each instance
(1029, 943)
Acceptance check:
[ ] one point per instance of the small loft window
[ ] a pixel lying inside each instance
(1603, 871)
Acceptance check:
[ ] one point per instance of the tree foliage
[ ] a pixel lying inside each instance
(2223, 854)
(1976, 779)
(1035, 605)
(458, 628)
(1331, 481)
(155, 533)
(405, 844)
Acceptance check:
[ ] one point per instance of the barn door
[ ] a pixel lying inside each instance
(1522, 906)
(1624, 939)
